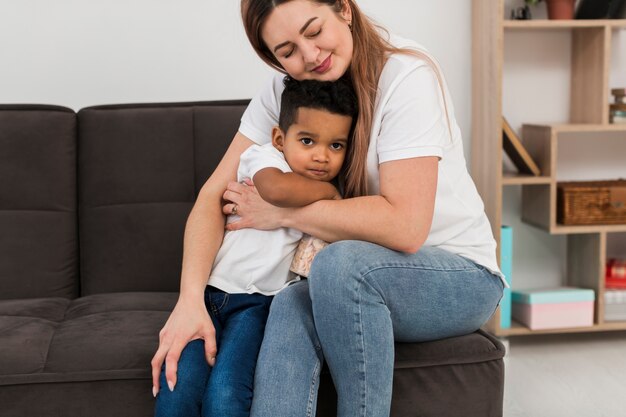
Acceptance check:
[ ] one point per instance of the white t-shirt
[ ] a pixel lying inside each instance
(409, 121)
(250, 260)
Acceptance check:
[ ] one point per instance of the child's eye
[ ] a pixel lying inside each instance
(306, 141)
(337, 146)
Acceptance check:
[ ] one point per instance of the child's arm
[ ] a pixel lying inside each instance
(288, 189)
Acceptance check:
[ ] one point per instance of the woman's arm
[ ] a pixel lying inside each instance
(399, 218)
(203, 236)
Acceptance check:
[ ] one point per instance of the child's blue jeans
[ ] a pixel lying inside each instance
(225, 389)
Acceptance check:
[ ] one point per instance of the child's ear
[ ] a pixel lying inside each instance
(278, 138)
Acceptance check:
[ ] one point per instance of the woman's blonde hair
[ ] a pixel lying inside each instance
(369, 55)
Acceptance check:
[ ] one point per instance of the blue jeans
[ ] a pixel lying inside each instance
(358, 300)
(225, 389)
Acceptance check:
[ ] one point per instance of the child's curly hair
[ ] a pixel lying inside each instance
(336, 97)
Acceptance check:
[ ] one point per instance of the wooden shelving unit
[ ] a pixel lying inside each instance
(590, 67)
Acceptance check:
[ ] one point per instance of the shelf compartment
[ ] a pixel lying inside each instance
(539, 198)
(586, 257)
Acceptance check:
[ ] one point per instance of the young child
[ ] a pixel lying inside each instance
(307, 151)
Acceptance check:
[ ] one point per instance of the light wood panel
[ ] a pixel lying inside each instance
(511, 179)
(591, 51)
(538, 141)
(487, 36)
(563, 24)
(609, 228)
(584, 128)
(518, 329)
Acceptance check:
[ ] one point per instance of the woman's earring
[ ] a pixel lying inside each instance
(350, 26)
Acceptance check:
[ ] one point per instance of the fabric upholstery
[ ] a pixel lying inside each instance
(99, 337)
(459, 376)
(124, 397)
(38, 238)
(141, 168)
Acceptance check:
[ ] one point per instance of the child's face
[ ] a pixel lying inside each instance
(315, 144)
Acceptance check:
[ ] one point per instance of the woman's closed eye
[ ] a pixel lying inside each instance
(293, 49)
(312, 35)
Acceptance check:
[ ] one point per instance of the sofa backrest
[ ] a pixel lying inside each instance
(140, 170)
(38, 226)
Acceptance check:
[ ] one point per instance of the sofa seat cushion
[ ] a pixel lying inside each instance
(26, 330)
(467, 371)
(100, 337)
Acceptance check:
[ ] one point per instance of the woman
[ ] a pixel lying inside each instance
(415, 256)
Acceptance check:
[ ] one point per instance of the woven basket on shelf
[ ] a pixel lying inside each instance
(591, 202)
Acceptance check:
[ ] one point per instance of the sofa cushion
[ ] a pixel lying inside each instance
(26, 331)
(141, 167)
(94, 338)
(458, 376)
(39, 238)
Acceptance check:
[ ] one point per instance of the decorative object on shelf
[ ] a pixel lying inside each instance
(515, 149)
(555, 308)
(506, 266)
(591, 202)
(521, 13)
(601, 9)
(615, 305)
(618, 109)
(615, 273)
(557, 9)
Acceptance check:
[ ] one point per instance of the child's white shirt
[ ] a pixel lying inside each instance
(250, 260)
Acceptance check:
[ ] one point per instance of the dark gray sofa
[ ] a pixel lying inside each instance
(92, 212)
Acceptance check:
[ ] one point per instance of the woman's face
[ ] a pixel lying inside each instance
(309, 39)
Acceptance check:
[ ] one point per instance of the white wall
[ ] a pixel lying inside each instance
(79, 53)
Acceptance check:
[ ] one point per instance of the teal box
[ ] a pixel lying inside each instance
(506, 266)
(553, 295)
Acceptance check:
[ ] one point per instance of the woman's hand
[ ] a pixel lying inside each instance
(255, 212)
(189, 321)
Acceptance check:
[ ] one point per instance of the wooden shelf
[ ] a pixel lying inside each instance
(590, 67)
(518, 329)
(515, 179)
(560, 229)
(581, 128)
(563, 24)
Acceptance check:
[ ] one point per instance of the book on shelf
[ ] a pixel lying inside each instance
(506, 266)
(514, 147)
